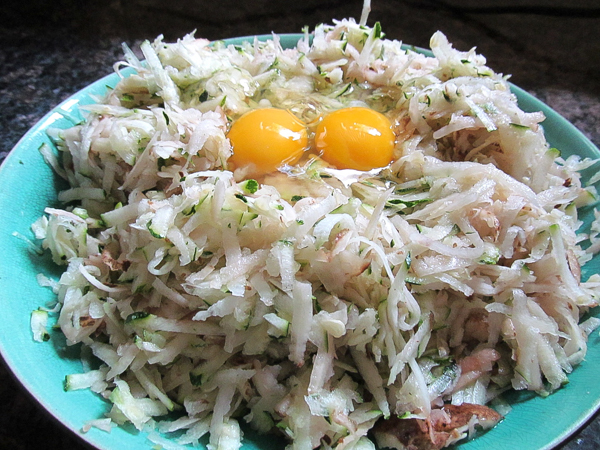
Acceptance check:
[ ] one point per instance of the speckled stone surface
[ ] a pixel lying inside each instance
(50, 49)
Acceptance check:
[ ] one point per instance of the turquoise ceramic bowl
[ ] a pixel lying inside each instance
(28, 185)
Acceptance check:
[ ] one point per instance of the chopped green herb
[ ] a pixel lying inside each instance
(196, 380)
(377, 30)
(136, 316)
(408, 203)
(408, 261)
(250, 186)
(519, 126)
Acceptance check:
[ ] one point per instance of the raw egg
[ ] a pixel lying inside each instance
(355, 138)
(265, 139)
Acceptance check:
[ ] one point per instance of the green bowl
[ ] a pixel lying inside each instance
(28, 185)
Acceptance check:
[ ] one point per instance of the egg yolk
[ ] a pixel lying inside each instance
(264, 139)
(355, 138)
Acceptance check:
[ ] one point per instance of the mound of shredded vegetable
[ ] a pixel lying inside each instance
(337, 308)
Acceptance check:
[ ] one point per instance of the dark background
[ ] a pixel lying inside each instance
(49, 49)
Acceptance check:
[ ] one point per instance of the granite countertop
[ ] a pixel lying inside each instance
(51, 49)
